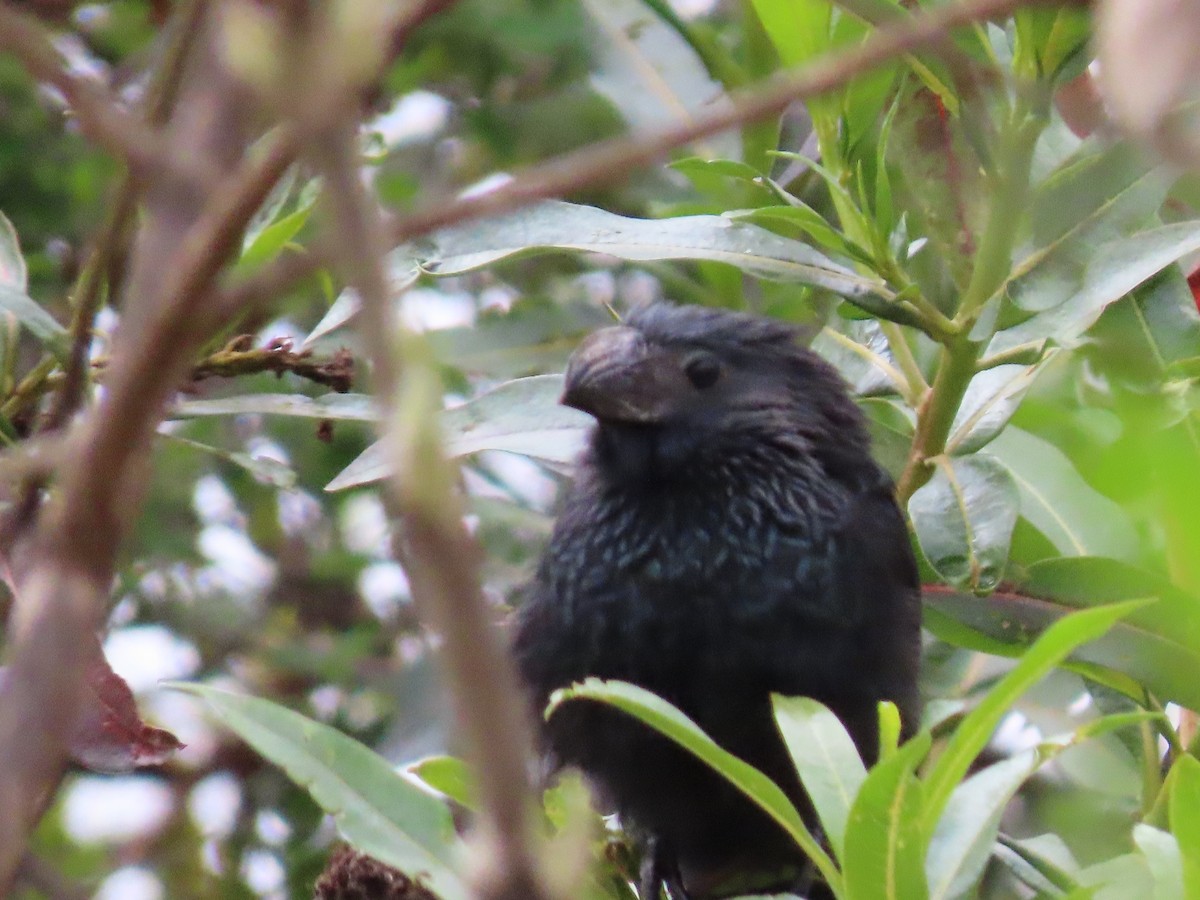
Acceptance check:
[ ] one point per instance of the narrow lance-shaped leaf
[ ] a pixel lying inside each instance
(1164, 860)
(1074, 517)
(377, 810)
(450, 776)
(826, 759)
(567, 226)
(967, 831)
(976, 729)
(650, 74)
(671, 723)
(349, 407)
(963, 838)
(13, 272)
(1184, 807)
(990, 401)
(520, 416)
(1115, 269)
(1154, 648)
(964, 517)
(885, 849)
(265, 469)
(33, 316)
(1044, 863)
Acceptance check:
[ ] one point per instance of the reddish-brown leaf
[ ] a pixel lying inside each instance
(109, 734)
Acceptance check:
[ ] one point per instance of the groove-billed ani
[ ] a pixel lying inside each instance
(728, 536)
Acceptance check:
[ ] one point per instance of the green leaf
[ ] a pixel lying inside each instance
(884, 843)
(1043, 862)
(1099, 195)
(1140, 340)
(651, 75)
(1077, 298)
(272, 207)
(1119, 878)
(520, 416)
(14, 275)
(33, 316)
(859, 350)
(1055, 499)
(265, 469)
(1155, 647)
(1163, 859)
(1184, 810)
(966, 831)
(377, 810)
(799, 29)
(891, 427)
(964, 517)
(974, 731)
(990, 401)
(670, 722)
(345, 407)
(343, 309)
(806, 219)
(447, 775)
(1047, 37)
(826, 759)
(567, 226)
(271, 240)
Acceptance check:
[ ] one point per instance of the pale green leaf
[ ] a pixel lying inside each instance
(966, 831)
(964, 518)
(521, 416)
(567, 226)
(345, 407)
(973, 733)
(885, 847)
(671, 723)
(1163, 859)
(377, 810)
(651, 75)
(14, 275)
(1075, 518)
(826, 758)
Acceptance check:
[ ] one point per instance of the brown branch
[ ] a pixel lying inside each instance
(441, 559)
(64, 573)
(613, 159)
(105, 266)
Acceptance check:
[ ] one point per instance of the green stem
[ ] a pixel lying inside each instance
(993, 264)
(914, 378)
(936, 414)
(1010, 191)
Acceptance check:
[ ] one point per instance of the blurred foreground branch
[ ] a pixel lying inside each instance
(63, 570)
(442, 560)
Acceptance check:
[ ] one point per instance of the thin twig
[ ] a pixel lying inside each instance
(614, 159)
(65, 572)
(106, 263)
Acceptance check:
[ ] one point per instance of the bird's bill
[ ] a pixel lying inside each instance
(616, 376)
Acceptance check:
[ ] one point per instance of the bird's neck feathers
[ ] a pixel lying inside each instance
(776, 476)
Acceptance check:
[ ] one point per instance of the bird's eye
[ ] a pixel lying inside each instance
(702, 370)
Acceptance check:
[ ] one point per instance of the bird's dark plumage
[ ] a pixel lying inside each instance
(727, 536)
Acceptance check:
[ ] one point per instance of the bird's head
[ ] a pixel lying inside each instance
(674, 388)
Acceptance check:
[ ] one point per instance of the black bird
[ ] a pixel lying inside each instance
(727, 536)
